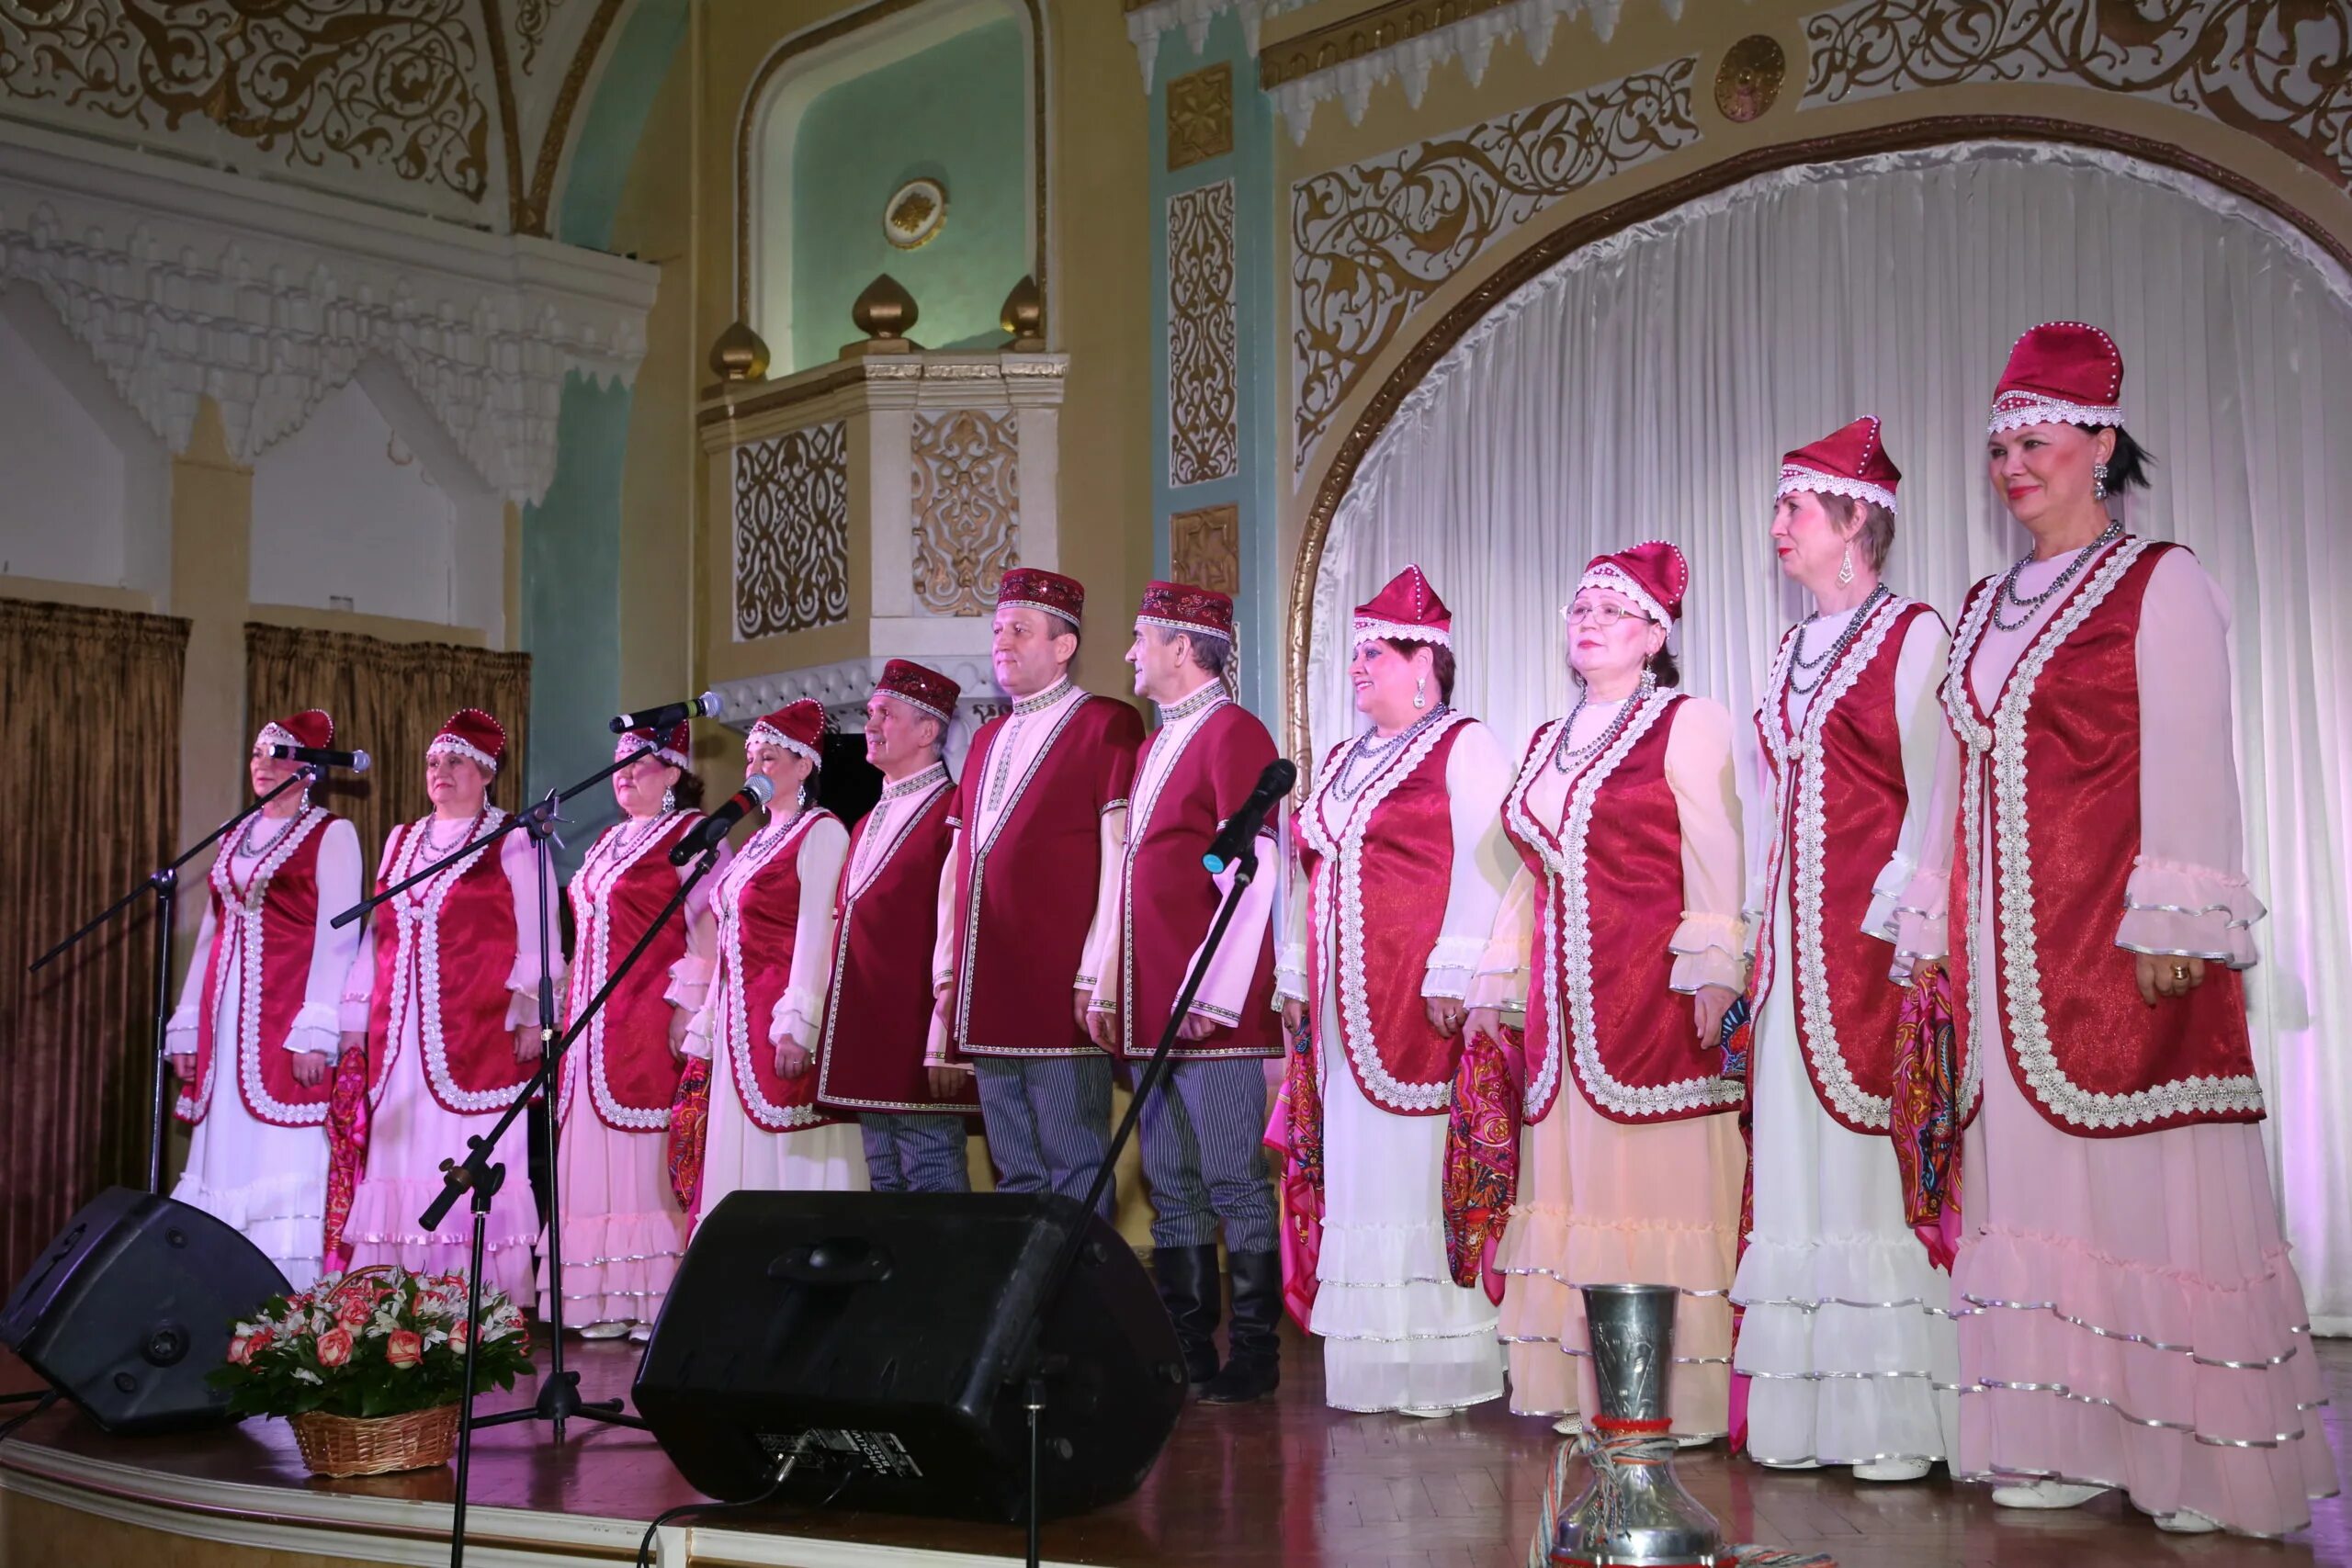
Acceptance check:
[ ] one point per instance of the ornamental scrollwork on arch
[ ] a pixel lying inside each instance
(2279, 70)
(1374, 239)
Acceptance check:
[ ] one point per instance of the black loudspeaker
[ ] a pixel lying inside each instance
(133, 1305)
(882, 1336)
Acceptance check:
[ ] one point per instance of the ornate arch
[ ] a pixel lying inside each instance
(1537, 257)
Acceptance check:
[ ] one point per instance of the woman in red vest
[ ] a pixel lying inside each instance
(255, 1037)
(2132, 1317)
(1406, 862)
(443, 998)
(623, 1230)
(1620, 937)
(1847, 1340)
(760, 1028)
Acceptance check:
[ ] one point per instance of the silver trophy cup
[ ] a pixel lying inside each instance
(1633, 1512)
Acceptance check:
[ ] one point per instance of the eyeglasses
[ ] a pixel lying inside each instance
(1605, 617)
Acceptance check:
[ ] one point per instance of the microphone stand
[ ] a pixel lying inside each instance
(165, 885)
(1245, 871)
(478, 1177)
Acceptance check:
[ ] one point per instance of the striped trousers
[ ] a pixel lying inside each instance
(1048, 1122)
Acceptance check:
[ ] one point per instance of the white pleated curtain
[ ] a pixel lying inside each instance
(1645, 388)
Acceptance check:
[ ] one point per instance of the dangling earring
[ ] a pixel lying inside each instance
(804, 794)
(2099, 482)
(669, 800)
(1421, 692)
(1846, 567)
(1649, 681)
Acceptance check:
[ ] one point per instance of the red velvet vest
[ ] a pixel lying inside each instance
(1839, 801)
(878, 1008)
(625, 1057)
(1166, 901)
(758, 905)
(262, 934)
(1379, 865)
(1026, 892)
(2050, 787)
(444, 958)
(1609, 898)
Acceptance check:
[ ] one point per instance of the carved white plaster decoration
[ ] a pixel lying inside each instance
(843, 688)
(185, 283)
(1147, 24)
(1409, 60)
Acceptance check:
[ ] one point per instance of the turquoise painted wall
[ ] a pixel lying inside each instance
(952, 113)
(571, 537)
(1256, 205)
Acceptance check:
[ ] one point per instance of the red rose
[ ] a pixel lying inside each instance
(261, 1338)
(334, 1346)
(457, 1333)
(240, 1350)
(352, 1314)
(404, 1348)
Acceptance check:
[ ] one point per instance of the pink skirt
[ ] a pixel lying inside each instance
(623, 1231)
(1604, 1202)
(2133, 1319)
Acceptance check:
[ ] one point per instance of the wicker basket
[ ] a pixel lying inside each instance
(351, 1445)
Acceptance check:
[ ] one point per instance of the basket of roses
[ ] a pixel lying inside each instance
(370, 1367)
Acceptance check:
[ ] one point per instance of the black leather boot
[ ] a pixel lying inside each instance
(1253, 1365)
(1191, 1289)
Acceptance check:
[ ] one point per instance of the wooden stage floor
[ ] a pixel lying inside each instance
(1286, 1483)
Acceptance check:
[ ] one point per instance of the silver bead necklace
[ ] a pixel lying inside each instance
(2008, 591)
(1369, 746)
(1827, 660)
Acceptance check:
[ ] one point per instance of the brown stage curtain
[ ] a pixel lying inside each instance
(91, 773)
(388, 699)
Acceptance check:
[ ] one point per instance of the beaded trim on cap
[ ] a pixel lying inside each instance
(274, 734)
(915, 702)
(1616, 578)
(1368, 630)
(1794, 479)
(629, 745)
(466, 749)
(2014, 410)
(768, 734)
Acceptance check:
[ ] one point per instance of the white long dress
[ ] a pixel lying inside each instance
(1848, 1338)
(268, 1181)
(737, 1153)
(412, 1132)
(1397, 1333)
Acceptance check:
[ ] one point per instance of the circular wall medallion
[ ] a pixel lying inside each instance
(915, 213)
(1749, 78)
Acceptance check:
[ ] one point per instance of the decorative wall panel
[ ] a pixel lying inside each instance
(1371, 240)
(792, 532)
(1199, 115)
(1204, 428)
(966, 508)
(1204, 548)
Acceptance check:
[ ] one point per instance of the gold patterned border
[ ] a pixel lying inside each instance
(1367, 32)
(840, 27)
(1547, 250)
(1199, 115)
(531, 214)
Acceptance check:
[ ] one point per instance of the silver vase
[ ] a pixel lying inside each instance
(1635, 1514)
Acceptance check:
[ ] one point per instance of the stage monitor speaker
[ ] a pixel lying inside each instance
(881, 1335)
(133, 1305)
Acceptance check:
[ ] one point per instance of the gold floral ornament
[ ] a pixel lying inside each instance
(1748, 83)
(915, 214)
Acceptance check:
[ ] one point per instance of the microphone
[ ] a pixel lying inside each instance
(320, 757)
(1233, 839)
(711, 829)
(667, 714)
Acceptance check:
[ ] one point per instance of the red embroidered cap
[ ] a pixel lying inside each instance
(1406, 610)
(920, 687)
(1653, 575)
(1851, 461)
(474, 734)
(1034, 588)
(2060, 373)
(797, 727)
(670, 745)
(312, 727)
(1180, 607)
